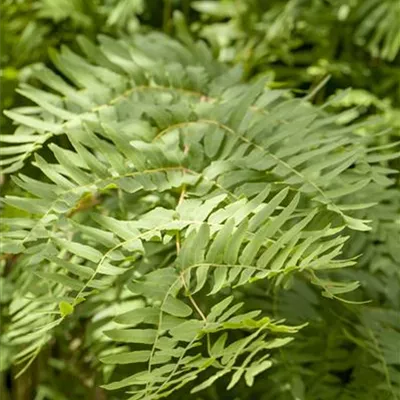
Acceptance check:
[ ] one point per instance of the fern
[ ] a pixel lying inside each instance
(378, 28)
(168, 188)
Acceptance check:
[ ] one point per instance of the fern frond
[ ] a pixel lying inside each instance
(174, 189)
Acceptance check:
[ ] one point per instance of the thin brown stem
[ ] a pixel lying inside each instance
(203, 317)
(178, 248)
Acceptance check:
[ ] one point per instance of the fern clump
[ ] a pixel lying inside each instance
(197, 223)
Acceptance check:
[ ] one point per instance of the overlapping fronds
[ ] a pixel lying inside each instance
(171, 186)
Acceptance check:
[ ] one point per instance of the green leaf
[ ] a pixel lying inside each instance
(267, 231)
(233, 246)
(156, 284)
(61, 279)
(235, 378)
(218, 347)
(35, 123)
(176, 307)
(219, 308)
(76, 269)
(207, 383)
(192, 251)
(138, 315)
(187, 331)
(65, 308)
(80, 250)
(254, 370)
(132, 357)
(260, 217)
(143, 336)
(215, 253)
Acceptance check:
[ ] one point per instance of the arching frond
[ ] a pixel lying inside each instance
(171, 187)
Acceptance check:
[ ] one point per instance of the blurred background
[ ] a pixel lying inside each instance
(296, 44)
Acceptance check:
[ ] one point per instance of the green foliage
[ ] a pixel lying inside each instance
(30, 27)
(179, 226)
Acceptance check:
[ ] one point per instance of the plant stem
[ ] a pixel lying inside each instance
(167, 16)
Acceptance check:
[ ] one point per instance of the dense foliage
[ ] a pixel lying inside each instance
(200, 199)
